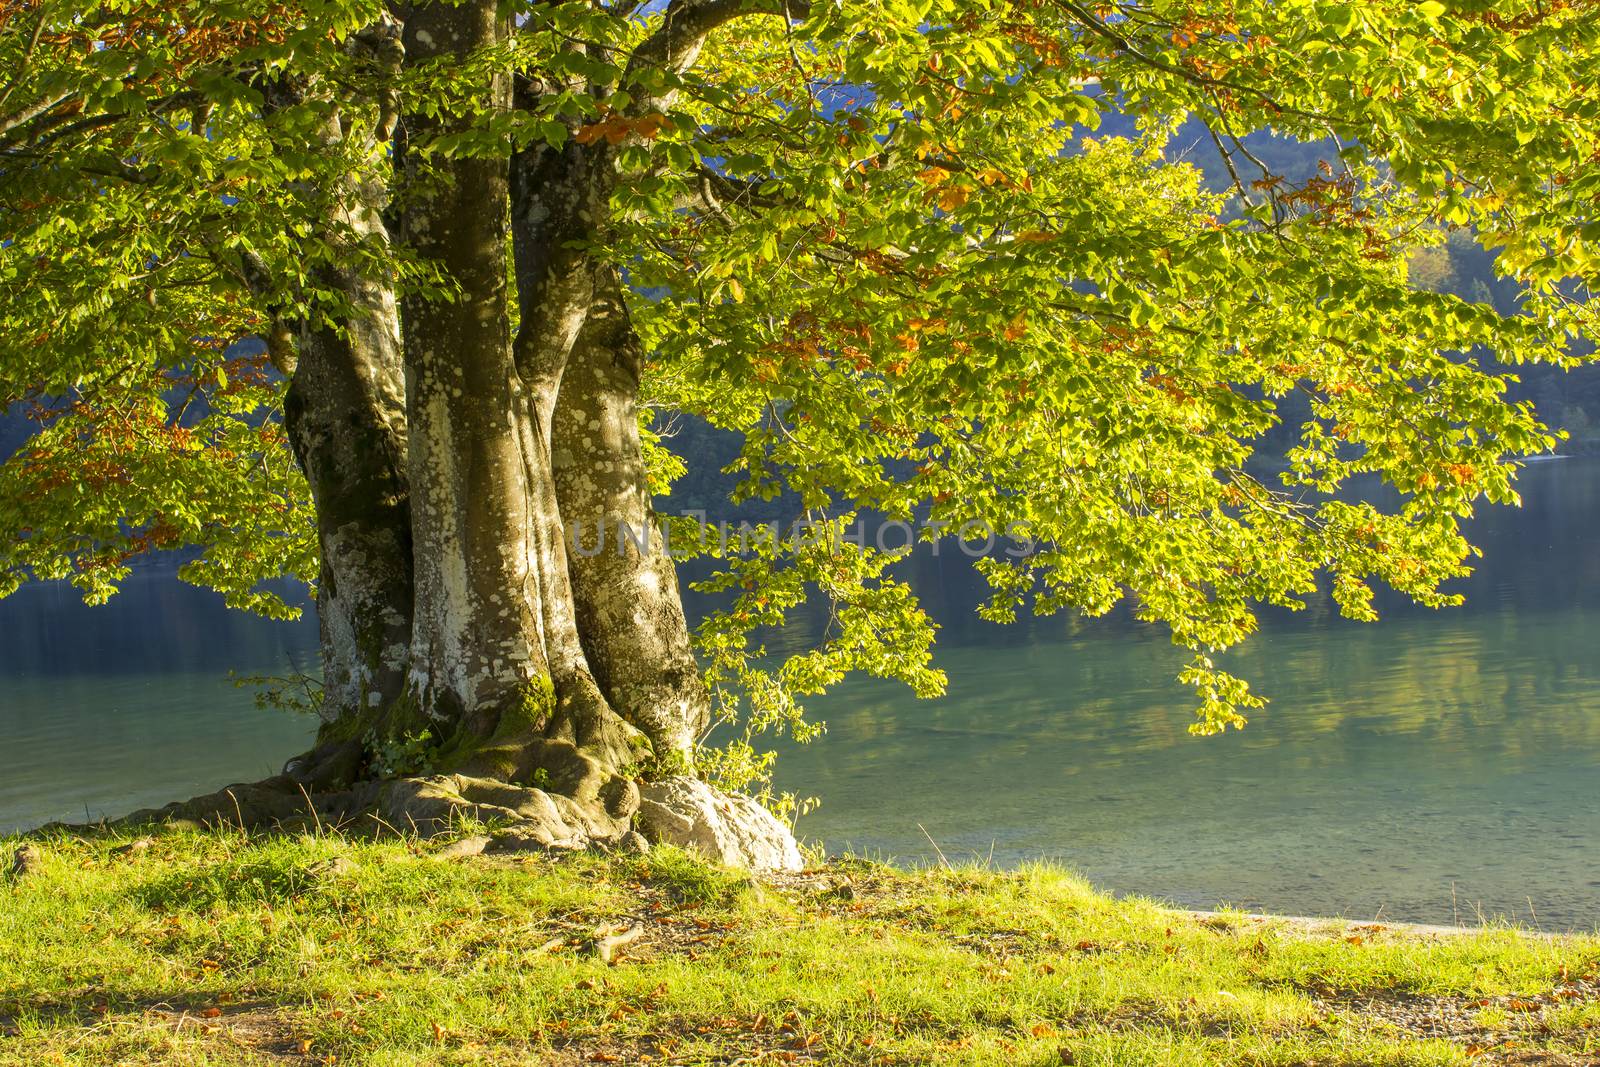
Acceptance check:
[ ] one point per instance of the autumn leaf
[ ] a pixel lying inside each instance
(649, 126)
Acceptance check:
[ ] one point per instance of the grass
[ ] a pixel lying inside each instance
(227, 949)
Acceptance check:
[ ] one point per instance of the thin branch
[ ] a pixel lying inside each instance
(31, 112)
(23, 65)
(1128, 48)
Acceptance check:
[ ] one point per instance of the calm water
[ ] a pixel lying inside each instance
(1433, 767)
(108, 709)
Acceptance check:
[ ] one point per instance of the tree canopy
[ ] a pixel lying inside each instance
(881, 240)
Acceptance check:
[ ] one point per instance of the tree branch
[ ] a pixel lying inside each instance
(676, 43)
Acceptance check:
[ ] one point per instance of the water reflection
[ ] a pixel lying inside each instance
(1424, 768)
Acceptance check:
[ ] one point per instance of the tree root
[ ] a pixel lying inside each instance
(522, 818)
(488, 815)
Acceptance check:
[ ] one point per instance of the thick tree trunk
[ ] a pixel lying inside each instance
(475, 666)
(345, 413)
(476, 650)
(630, 614)
(476, 625)
(496, 667)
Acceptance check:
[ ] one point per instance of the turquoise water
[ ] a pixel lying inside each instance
(128, 705)
(1438, 766)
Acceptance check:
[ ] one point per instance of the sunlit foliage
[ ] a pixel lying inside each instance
(883, 240)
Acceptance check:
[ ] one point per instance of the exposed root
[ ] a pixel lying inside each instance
(491, 815)
(522, 818)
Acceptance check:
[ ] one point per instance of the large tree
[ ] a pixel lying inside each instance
(492, 246)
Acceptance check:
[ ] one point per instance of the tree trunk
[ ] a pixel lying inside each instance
(625, 586)
(478, 643)
(345, 414)
(497, 673)
(476, 649)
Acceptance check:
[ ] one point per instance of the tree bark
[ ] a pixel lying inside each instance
(475, 648)
(519, 659)
(625, 586)
(345, 415)
(496, 666)
(345, 418)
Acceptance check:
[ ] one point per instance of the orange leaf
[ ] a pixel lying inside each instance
(651, 125)
(952, 197)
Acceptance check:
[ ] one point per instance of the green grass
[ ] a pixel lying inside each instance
(218, 948)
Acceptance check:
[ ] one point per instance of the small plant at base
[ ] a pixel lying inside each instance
(738, 766)
(392, 758)
(669, 764)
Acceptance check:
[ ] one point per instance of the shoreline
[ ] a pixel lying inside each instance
(1317, 925)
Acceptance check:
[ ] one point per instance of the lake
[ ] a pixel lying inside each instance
(1437, 766)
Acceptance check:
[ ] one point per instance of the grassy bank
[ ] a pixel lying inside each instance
(216, 948)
